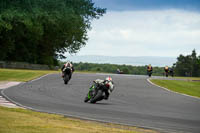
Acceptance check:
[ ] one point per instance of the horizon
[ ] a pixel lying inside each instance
(124, 56)
(124, 60)
(121, 56)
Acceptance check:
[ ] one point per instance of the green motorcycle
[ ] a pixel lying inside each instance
(95, 93)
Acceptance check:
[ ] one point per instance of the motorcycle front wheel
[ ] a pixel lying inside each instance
(86, 99)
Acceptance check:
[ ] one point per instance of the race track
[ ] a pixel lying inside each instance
(134, 102)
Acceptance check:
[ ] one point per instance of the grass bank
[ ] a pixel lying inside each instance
(189, 78)
(26, 121)
(22, 75)
(188, 87)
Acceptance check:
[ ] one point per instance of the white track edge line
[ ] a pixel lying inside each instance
(171, 90)
(21, 83)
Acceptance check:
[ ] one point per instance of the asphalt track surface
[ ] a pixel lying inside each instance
(133, 102)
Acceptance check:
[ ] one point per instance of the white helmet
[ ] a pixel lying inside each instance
(109, 84)
(109, 79)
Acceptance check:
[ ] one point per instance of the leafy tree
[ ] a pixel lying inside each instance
(41, 31)
(188, 65)
(125, 70)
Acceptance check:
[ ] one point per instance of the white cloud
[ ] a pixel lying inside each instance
(144, 33)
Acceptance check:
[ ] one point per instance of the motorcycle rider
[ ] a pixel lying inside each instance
(149, 68)
(166, 69)
(108, 87)
(67, 64)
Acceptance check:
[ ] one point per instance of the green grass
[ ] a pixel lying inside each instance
(189, 78)
(26, 121)
(22, 75)
(186, 86)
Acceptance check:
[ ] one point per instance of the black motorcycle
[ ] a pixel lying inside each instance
(96, 91)
(67, 74)
(149, 73)
(166, 73)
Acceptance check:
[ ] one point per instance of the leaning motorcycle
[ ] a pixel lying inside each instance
(67, 74)
(96, 91)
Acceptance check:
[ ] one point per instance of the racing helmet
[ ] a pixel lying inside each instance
(109, 79)
(68, 64)
(109, 84)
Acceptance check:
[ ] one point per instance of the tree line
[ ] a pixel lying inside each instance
(41, 31)
(112, 68)
(188, 65)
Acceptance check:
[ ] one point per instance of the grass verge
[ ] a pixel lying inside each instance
(189, 78)
(182, 86)
(26, 121)
(22, 75)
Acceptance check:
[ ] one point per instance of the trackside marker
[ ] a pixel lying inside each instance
(10, 103)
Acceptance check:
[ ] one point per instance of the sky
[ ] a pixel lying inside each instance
(165, 28)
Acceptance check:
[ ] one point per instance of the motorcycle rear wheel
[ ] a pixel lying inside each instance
(66, 79)
(98, 95)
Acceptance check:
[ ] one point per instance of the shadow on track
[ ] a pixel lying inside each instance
(100, 103)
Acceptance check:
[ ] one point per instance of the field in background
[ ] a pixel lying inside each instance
(189, 78)
(22, 75)
(112, 68)
(188, 86)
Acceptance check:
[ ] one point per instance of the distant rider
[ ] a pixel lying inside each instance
(108, 87)
(149, 68)
(119, 71)
(68, 64)
(166, 69)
